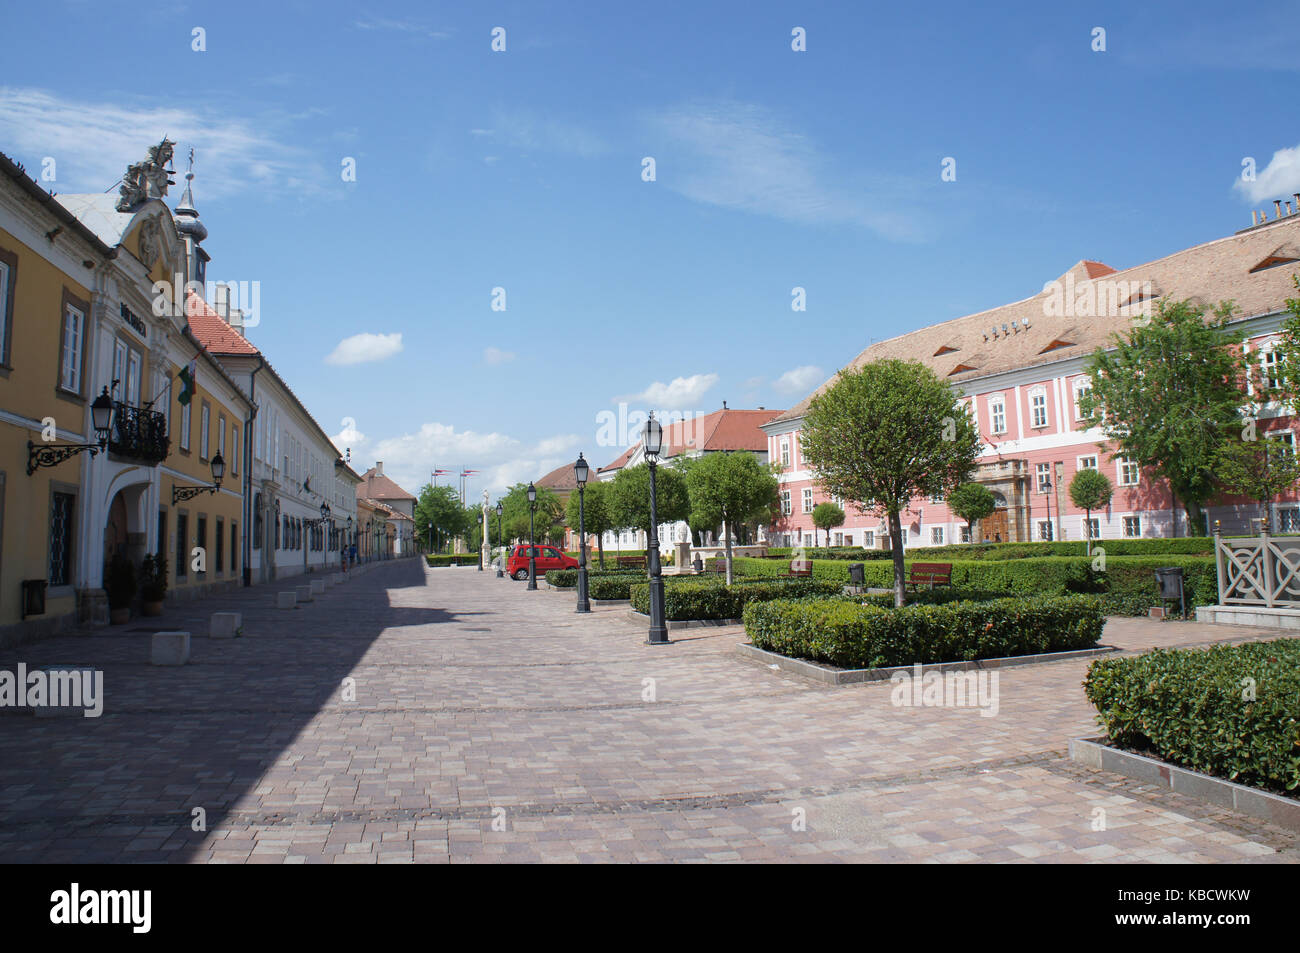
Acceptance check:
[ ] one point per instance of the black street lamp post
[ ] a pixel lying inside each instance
(653, 441)
(501, 541)
(52, 454)
(581, 470)
(532, 544)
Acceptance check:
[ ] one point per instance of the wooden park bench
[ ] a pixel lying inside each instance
(800, 568)
(929, 575)
(630, 562)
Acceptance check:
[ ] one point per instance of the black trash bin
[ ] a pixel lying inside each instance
(856, 574)
(1170, 581)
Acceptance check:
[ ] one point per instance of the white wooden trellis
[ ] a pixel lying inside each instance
(1258, 572)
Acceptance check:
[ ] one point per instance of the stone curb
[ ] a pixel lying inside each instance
(1257, 803)
(829, 675)
(681, 623)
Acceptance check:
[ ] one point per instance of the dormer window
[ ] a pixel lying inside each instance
(946, 349)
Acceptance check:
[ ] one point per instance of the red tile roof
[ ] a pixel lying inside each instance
(376, 486)
(721, 430)
(212, 331)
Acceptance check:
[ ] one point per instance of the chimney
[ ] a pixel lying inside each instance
(1296, 196)
(1288, 207)
(1254, 216)
(379, 467)
(724, 405)
(1277, 208)
(221, 299)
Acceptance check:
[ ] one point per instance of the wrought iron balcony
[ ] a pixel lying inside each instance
(138, 433)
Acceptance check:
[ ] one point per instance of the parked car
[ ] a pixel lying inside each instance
(547, 557)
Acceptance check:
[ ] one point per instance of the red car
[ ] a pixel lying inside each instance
(547, 557)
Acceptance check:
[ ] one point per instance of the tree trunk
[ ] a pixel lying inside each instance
(896, 544)
(1193, 510)
(600, 544)
(726, 539)
(1087, 532)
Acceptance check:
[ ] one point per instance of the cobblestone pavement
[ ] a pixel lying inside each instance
(494, 724)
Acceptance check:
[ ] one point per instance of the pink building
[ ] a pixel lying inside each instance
(1022, 366)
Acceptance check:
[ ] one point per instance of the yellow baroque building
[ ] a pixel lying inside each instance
(91, 300)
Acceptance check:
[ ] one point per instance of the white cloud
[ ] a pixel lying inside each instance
(92, 143)
(399, 26)
(1277, 180)
(799, 380)
(530, 133)
(364, 348)
(739, 156)
(349, 438)
(682, 393)
(494, 355)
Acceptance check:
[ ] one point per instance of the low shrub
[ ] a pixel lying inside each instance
(1182, 546)
(849, 634)
(568, 578)
(695, 598)
(1231, 710)
(1127, 587)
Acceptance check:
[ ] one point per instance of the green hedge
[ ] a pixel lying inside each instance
(464, 559)
(696, 598)
(1182, 546)
(1127, 587)
(851, 635)
(1190, 707)
(568, 578)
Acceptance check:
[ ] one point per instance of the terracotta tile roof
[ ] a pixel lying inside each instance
(963, 349)
(376, 486)
(212, 331)
(561, 478)
(721, 430)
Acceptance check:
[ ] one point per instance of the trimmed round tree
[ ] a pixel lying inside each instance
(729, 489)
(1090, 490)
(596, 518)
(972, 502)
(886, 433)
(827, 516)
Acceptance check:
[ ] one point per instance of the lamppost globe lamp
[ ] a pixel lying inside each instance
(532, 542)
(652, 438)
(101, 416)
(581, 470)
(218, 469)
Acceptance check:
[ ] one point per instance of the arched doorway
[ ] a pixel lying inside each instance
(116, 529)
(995, 528)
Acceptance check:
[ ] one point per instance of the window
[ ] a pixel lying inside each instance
(257, 521)
(807, 501)
(1043, 476)
(1133, 526)
(785, 453)
(164, 403)
(221, 545)
(1038, 408)
(1091, 528)
(204, 416)
(786, 509)
(998, 413)
(868, 539)
(1082, 386)
(1088, 462)
(234, 546)
(182, 545)
(234, 448)
(202, 541)
(185, 425)
(134, 363)
(1288, 519)
(1128, 471)
(62, 506)
(965, 534)
(6, 304)
(1272, 368)
(1045, 530)
(936, 535)
(1283, 441)
(839, 539)
(70, 356)
(221, 435)
(807, 540)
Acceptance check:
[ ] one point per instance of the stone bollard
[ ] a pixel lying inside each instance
(286, 600)
(224, 625)
(317, 586)
(170, 648)
(304, 593)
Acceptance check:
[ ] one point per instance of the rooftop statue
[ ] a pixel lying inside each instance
(148, 179)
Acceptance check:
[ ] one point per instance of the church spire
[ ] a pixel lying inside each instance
(192, 230)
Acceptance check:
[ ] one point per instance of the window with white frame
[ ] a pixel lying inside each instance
(70, 358)
(1045, 530)
(1133, 526)
(1043, 477)
(868, 539)
(1128, 471)
(998, 414)
(839, 539)
(965, 533)
(204, 416)
(786, 509)
(1088, 463)
(1082, 386)
(785, 453)
(848, 539)
(936, 535)
(185, 425)
(807, 540)
(1282, 441)
(1091, 528)
(1288, 519)
(807, 500)
(1038, 408)
(1271, 367)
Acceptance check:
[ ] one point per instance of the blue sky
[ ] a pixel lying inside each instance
(522, 170)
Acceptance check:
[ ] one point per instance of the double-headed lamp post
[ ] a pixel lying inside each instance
(652, 442)
(532, 546)
(581, 470)
(500, 542)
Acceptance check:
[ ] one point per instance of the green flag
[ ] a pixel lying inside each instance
(187, 376)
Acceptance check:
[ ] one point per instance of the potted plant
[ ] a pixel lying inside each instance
(121, 588)
(153, 584)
